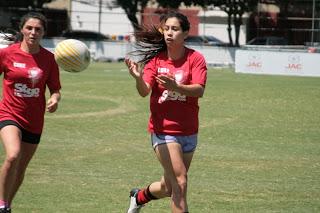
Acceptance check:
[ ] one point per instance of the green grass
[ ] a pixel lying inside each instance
(259, 146)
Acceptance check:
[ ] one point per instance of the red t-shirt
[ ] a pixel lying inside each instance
(171, 112)
(24, 84)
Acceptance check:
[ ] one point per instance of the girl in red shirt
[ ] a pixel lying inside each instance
(176, 77)
(27, 70)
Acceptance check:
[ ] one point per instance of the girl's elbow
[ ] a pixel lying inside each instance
(143, 93)
(201, 93)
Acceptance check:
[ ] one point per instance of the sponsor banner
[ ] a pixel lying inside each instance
(277, 63)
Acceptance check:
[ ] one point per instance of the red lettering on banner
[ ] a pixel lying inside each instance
(294, 67)
(254, 64)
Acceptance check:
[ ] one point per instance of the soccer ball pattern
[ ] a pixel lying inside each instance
(72, 55)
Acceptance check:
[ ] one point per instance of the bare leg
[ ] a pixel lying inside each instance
(18, 156)
(27, 152)
(162, 188)
(174, 181)
(11, 138)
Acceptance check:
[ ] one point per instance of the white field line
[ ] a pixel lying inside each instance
(122, 108)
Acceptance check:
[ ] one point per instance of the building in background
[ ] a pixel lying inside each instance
(111, 20)
(57, 18)
(213, 21)
(106, 18)
(297, 21)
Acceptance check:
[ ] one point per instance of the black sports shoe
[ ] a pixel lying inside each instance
(5, 210)
(134, 207)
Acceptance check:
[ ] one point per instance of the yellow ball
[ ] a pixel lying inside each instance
(72, 55)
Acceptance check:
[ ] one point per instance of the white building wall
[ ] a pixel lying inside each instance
(115, 22)
(86, 17)
(220, 32)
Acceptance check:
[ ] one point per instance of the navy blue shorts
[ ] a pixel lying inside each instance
(27, 137)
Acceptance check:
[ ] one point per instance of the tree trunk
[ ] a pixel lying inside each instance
(230, 29)
(237, 24)
(134, 21)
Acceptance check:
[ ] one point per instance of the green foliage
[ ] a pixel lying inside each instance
(235, 10)
(23, 3)
(132, 8)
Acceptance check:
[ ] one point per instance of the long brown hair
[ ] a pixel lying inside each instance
(34, 15)
(13, 36)
(28, 16)
(149, 41)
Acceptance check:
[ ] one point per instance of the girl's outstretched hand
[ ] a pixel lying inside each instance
(137, 72)
(133, 68)
(167, 81)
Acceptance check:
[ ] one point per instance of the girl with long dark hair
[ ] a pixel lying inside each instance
(175, 76)
(27, 70)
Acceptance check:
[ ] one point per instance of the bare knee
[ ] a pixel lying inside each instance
(166, 188)
(181, 185)
(12, 158)
(182, 181)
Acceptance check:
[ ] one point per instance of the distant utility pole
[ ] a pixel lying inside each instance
(313, 16)
(100, 11)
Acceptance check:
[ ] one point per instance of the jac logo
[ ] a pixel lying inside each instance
(254, 62)
(294, 66)
(293, 63)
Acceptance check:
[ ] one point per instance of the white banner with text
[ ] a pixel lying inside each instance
(277, 63)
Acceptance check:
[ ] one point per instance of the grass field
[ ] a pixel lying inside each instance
(259, 146)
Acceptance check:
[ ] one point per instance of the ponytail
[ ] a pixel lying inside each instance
(148, 43)
(9, 37)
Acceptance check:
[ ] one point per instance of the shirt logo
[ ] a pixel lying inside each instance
(178, 76)
(171, 96)
(22, 90)
(163, 70)
(19, 65)
(34, 75)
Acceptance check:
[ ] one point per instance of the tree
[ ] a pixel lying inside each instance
(176, 4)
(23, 3)
(235, 10)
(131, 7)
